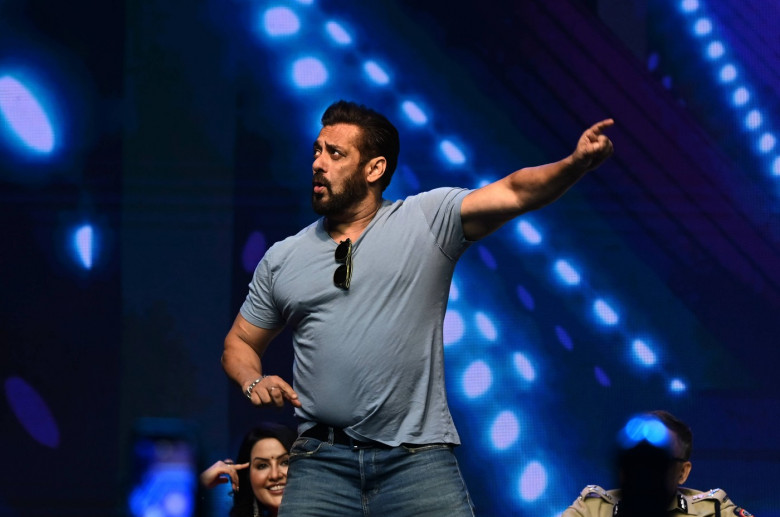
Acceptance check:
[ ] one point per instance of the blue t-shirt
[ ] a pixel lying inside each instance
(369, 359)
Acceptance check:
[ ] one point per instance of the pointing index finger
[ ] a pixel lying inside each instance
(598, 127)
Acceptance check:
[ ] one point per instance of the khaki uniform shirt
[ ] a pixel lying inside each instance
(594, 501)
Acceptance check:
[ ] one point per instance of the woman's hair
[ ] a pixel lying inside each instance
(244, 498)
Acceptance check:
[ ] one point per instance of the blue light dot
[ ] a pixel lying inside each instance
(505, 430)
(689, 6)
(766, 142)
(564, 338)
(83, 242)
(644, 428)
(653, 60)
(566, 272)
(753, 119)
(643, 353)
(25, 116)
(32, 412)
(529, 233)
(533, 481)
(477, 379)
(280, 21)
(525, 298)
(486, 326)
(677, 386)
(487, 257)
(454, 327)
(414, 113)
(309, 72)
(602, 377)
(741, 96)
(338, 33)
(605, 313)
(776, 166)
(728, 73)
(524, 367)
(702, 27)
(715, 50)
(454, 291)
(452, 152)
(376, 73)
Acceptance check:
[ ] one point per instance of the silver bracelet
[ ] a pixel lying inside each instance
(249, 388)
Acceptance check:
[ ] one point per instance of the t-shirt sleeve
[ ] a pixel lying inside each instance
(258, 308)
(441, 208)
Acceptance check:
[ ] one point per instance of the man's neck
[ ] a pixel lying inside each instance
(351, 226)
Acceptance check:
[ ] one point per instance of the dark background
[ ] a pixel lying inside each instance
(182, 138)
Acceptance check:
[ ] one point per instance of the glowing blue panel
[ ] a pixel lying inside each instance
(564, 338)
(702, 27)
(414, 113)
(766, 142)
(505, 430)
(477, 379)
(83, 242)
(753, 119)
(280, 21)
(376, 73)
(24, 116)
(644, 428)
(728, 73)
(452, 152)
(741, 96)
(689, 6)
(525, 298)
(776, 166)
(566, 272)
(715, 50)
(487, 258)
(602, 377)
(653, 61)
(309, 72)
(605, 313)
(529, 233)
(338, 33)
(454, 327)
(454, 292)
(533, 481)
(32, 412)
(486, 326)
(524, 367)
(677, 386)
(643, 353)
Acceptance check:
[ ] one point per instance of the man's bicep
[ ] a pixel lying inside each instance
(250, 334)
(486, 209)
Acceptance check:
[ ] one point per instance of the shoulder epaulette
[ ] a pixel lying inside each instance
(597, 491)
(715, 493)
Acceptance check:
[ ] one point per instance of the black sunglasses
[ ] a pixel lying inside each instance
(343, 274)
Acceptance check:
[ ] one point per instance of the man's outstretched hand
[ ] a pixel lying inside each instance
(593, 147)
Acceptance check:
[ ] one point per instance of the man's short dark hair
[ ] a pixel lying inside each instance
(379, 136)
(679, 428)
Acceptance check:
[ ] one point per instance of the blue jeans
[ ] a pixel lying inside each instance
(326, 479)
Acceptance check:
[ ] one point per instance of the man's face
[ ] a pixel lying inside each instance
(338, 182)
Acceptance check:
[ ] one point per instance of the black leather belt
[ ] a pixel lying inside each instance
(321, 432)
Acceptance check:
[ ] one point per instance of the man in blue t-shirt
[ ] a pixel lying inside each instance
(365, 290)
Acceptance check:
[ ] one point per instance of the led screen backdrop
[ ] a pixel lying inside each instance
(151, 152)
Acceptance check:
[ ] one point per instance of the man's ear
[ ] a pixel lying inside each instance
(375, 169)
(686, 470)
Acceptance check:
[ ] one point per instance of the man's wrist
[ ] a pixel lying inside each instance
(251, 387)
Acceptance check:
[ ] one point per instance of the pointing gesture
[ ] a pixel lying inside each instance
(593, 146)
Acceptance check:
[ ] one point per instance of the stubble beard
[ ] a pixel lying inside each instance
(354, 191)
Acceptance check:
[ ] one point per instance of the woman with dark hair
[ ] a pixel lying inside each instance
(261, 468)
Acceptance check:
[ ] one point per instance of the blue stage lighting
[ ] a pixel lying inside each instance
(766, 142)
(564, 338)
(84, 245)
(376, 73)
(653, 60)
(728, 73)
(566, 272)
(602, 377)
(454, 327)
(715, 50)
(753, 119)
(24, 116)
(689, 6)
(338, 33)
(524, 367)
(702, 27)
(280, 21)
(477, 379)
(741, 96)
(32, 412)
(533, 481)
(529, 233)
(487, 258)
(677, 386)
(486, 326)
(414, 113)
(309, 72)
(776, 166)
(452, 152)
(505, 430)
(643, 353)
(525, 298)
(605, 313)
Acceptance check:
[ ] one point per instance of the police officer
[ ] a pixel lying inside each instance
(654, 462)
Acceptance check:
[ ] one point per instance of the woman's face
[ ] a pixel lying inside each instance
(268, 471)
